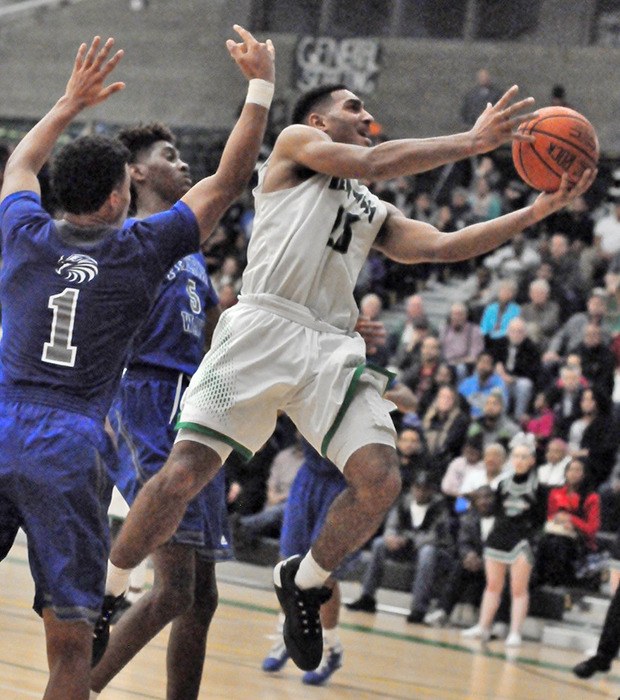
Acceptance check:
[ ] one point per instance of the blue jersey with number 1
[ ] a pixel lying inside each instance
(72, 299)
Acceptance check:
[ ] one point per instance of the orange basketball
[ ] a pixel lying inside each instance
(565, 142)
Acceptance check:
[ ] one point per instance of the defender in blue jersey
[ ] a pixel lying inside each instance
(73, 293)
(165, 353)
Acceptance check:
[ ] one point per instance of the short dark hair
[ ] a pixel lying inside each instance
(142, 136)
(85, 172)
(311, 99)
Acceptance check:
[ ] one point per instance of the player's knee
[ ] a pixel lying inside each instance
(172, 601)
(375, 477)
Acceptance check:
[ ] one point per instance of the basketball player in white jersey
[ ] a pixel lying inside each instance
(289, 345)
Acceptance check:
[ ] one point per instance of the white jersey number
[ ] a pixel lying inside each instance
(58, 349)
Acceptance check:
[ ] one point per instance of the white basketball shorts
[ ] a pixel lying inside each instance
(273, 356)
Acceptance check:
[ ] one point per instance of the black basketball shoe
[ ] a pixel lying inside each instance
(589, 667)
(303, 634)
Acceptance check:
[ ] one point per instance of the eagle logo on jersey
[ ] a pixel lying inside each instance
(77, 268)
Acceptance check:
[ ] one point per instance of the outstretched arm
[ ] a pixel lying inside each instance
(210, 198)
(313, 149)
(409, 241)
(84, 89)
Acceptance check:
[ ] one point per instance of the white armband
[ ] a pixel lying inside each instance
(260, 92)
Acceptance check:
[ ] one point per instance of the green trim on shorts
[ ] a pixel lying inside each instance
(348, 397)
(197, 428)
(381, 370)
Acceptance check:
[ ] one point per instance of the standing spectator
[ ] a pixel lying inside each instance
(498, 314)
(445, 429)
(476, 100)
(566, 272)
(481, 383)
(520, 511)
(573, 520)
(607, 234)
(461, 341)
(518, 364)
(541, 313)
(417, 529)
(466, 582)
(593, 436)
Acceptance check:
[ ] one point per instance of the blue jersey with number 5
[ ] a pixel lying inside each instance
(72, 299)
(173, 335)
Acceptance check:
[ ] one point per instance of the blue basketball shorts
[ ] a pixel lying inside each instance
(143, 417)
(310, 497)
(56, 471)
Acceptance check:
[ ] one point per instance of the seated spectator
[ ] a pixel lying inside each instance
(495, 469)
(566, 274)
(412, 454)
(564, 399)
(593, 436)
(518, 364)
(607, 234)
(481, 383)
(420, 374)
(467, 580)
(444, 376)
(494, 425)
(541, 314)
(407, 336)
(371, 309)
(498, 314)
(540, 423)
(516, 259)
(417, 530)
(598, 362)
(282, 473)
(461, 341)
(573, 520)
(479, 291)
(568, 338)
(553, 472)
(470, 460)
(445, 429)
(485, 202)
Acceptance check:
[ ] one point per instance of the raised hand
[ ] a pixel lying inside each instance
(548, 202)
(254, 58)
(497, 124)
(90, 70)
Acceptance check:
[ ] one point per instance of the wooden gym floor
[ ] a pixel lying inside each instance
(385, 658)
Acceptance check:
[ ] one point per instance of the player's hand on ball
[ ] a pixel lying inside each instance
(548, 202)
(497, 124)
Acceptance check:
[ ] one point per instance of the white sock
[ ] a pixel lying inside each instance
(117, 580)
(310, 574)
(331, 638)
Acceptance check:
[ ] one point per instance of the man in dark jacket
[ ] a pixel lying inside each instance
(518, 364)
(417, 529)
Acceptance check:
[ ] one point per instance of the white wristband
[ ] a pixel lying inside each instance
(260, 92)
